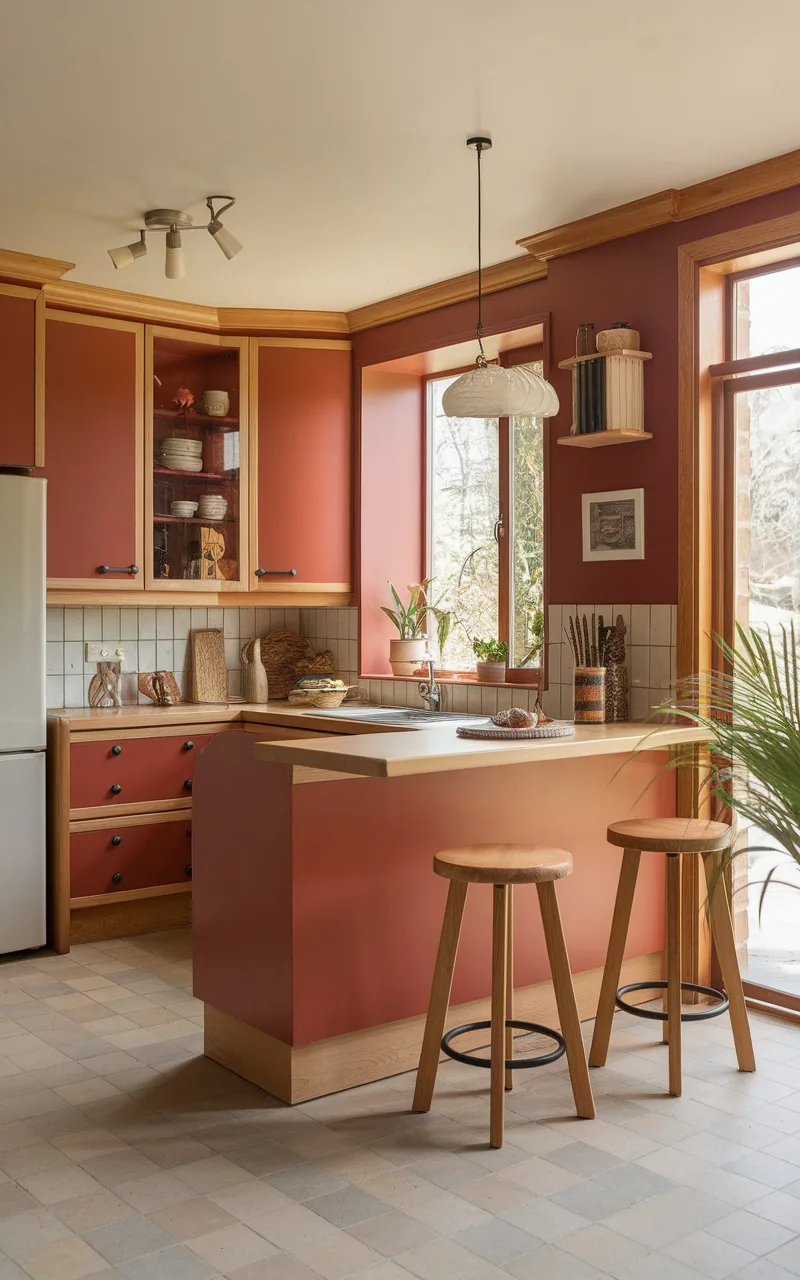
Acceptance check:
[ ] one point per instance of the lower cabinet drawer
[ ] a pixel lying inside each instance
(134, 770)
(128, 856)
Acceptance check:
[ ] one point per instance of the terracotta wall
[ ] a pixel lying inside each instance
(634, 279)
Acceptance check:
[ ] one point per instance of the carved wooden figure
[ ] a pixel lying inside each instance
(616, 672)
(104, 690)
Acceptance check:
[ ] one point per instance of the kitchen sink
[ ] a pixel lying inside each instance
(400, 716)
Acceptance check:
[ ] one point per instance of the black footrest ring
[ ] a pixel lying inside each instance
(657, 1015)
(512, 1064)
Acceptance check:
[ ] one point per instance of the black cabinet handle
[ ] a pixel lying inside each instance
(188, 746)
(187, 870)
(276, 573)
(188, 833)
(117, 877)
(116, 750)
(115, 840)
(187, 786)
(132, 569)
(116, 788)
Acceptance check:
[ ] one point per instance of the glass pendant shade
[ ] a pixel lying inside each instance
(490, 391)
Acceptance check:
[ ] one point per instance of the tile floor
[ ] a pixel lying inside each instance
(123, 1152)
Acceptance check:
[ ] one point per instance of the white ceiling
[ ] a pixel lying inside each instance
(339, 125)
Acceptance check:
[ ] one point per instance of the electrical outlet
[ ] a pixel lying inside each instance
(107, 651)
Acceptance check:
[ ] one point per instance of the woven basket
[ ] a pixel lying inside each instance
(326, 699)
(281, 651)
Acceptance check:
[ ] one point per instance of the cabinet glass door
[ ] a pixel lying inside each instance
(198, 451)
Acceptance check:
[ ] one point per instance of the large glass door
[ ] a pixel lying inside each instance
(761, 582)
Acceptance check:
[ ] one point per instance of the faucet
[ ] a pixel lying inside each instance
(429, 690)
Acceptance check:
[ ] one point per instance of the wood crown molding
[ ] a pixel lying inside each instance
(255, 321)
(503, 275)
(31, 268)
(673, 205)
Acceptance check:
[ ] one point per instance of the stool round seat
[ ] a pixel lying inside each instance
(503, 864)
(670, 835)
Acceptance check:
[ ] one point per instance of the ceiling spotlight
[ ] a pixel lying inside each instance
(175, 267)
(225, 239)
(128, 253)
(173, 222)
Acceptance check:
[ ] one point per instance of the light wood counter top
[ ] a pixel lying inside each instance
(88, 719)
(394, 755)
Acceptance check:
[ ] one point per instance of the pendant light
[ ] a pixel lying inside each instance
(488, 390)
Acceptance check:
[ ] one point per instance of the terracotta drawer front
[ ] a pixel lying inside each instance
(141, 768)
(142, 856)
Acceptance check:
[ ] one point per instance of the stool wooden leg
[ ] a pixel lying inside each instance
(616, 951)
(499, 984)
(440, 996)
(725, 943)
(565, 999)
(674, 868)
(510, 986)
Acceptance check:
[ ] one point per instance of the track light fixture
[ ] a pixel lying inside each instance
(173, 222)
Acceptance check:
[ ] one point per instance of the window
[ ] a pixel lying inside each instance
(766, 312)
(486, 529)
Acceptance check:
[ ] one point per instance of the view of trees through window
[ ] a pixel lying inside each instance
(468, 495)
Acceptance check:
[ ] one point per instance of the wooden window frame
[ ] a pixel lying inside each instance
(504, 526)
(703, 341)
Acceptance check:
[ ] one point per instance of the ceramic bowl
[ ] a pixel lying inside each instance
(183, 508)
(178, 444)
(176, 464)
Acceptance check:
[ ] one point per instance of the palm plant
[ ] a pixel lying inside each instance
(752, 711)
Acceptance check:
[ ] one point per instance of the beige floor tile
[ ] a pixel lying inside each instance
(63, 1183)
(230, 1247)
(292, 1227)
(337, 1256)
(67, 1260)
(26, 1231)
(191, 1218)
(85, 1213)
(155, 1191)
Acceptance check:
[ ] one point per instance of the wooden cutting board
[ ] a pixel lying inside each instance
(209, 677)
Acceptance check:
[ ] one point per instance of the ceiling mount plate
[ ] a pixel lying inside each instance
(480, 144)
(163, 219)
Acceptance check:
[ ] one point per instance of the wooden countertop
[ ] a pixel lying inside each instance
(393, 754)
(86, 719)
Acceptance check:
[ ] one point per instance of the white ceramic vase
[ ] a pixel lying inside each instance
(406, 656)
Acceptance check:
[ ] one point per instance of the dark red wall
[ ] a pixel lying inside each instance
(634, 279)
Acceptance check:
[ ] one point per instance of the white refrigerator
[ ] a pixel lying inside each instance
(22, 713)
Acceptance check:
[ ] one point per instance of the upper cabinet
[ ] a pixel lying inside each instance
(301, 398)
(196, 451)
(94, 424)
(21, 376)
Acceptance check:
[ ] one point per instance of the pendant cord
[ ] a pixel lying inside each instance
(480, 262)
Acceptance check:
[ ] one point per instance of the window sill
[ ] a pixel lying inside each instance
(456, 677)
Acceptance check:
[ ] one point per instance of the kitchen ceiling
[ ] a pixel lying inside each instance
(339, 126)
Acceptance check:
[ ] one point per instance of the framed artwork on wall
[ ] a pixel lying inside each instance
(613, 525)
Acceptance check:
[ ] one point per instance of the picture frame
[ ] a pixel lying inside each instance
(613, 525)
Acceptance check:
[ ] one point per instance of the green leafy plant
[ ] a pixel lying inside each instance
(412, 619)
(751, 708)
(490, 650)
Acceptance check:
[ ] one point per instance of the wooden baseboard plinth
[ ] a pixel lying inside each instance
(298, 1073)
(116, 919)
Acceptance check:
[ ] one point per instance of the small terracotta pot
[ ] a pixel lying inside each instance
(491, 672)
(590, 695)
(406, 655)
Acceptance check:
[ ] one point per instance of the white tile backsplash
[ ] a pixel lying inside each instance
(159, 640)
(660, 619)
(639, 630)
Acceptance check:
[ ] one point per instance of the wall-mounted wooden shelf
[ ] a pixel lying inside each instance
(596, 439)
(603, 355)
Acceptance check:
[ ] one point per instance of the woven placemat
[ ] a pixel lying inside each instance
(555, 729)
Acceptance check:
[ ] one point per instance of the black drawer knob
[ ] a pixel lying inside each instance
(188, 746)
(187, 786)
(115, 840)
(116, 750)
(117, 877)
(116, 788)
(187, 870)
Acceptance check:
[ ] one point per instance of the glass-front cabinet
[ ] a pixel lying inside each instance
(196, 491)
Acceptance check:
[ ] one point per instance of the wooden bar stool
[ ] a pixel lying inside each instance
(503, 866)
(678, 838)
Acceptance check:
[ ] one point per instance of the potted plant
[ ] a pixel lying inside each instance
(492, 656)
(752, 711)
(411, 649)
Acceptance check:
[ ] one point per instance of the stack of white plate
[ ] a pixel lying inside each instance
(180, 455)
(212, 506)
(185, 509)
